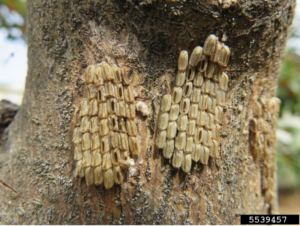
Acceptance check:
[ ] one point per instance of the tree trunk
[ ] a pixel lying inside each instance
(145, 38)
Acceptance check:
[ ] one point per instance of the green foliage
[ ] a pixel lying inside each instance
(17, 5)
(288, 132)
(12, 17)
(288, 151)
(289, 84)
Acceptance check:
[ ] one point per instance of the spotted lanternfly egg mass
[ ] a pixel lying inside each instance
(105, 129)
(190, 119)
(262, 137)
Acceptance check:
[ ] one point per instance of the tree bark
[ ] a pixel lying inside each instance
(146, 37)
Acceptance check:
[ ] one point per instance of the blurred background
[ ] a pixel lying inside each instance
(13, 69)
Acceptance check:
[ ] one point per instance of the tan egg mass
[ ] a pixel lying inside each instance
(105, 132)
(191, 115)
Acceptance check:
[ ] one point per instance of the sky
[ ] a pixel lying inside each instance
(13, 60)
(294, 43)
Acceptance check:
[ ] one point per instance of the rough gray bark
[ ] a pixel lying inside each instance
(64, 37)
